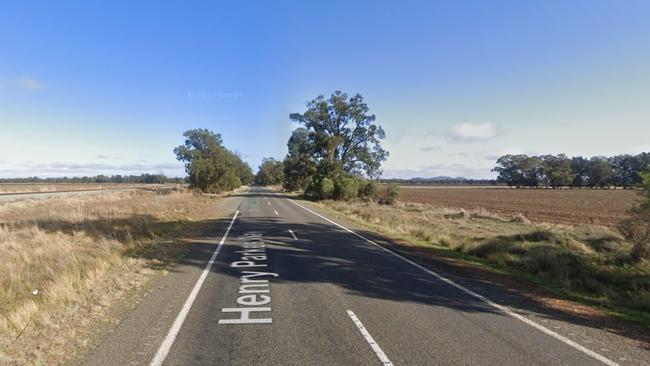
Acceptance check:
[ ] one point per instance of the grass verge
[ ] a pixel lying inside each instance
(592, 265)
(66, 261)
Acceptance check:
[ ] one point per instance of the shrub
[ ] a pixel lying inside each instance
(368, 190)
(390, 195)
(346, 188)
(320, 188)
(637, 227)
(326, 188)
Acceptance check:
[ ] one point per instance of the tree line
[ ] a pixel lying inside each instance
(441, 181)
(271, 172)
(556, 171)
(142, 178)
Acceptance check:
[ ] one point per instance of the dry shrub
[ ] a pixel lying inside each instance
(591, 259)
(637, 229)
(519, 217)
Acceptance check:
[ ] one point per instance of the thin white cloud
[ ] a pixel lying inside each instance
(26, 83)
(430, 148)
(476, 155)
(474, 131)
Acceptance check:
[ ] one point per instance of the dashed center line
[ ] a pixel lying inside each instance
(268, 203)
(276, 212)
(293, 234)
(375, 347)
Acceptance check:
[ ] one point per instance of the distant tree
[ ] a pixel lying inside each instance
(270, 172)
(101, 179)
(509, 171)
(519, 170)
(243, 170)
(556, 170)
(600, 172)
(625, 171)
(210, 166)
(342, 135)
(580, 171)
(642, 163)
(142, 178)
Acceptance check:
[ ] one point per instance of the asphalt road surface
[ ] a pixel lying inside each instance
(286, 285)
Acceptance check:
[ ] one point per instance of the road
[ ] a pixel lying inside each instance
(286, 285)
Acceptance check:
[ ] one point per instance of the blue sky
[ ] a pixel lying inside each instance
(89, 88)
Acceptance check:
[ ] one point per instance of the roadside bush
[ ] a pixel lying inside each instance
(637, 227)
(320, 188)
(368, 190)
(326, 188)
(390, 195)
(346, 188)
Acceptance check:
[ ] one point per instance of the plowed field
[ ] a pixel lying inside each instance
(563, 206)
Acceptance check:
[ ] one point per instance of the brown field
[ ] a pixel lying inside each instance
(562, 206)
(9, 188)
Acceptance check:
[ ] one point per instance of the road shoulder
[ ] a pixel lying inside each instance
(148, 307)
(623, 342)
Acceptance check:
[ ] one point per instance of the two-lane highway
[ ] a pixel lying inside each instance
(285, 285)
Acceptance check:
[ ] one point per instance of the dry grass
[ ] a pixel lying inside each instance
(591, 263)
(68, 256)
(8, 188)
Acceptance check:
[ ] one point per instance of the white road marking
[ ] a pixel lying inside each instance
(293, 234)
(502, 308)
(269, 203)
(375, 347)
(166, 345)
(276, 212)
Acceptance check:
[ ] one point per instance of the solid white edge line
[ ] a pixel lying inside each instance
(374, 345)
(293, 234)
(166, 345)
(503, 308)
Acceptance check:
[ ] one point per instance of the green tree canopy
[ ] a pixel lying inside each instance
(599, 171)
(210, 166)
(299, 164)
(518, 170)
(556, 170)
(341, 134)
(270, 172)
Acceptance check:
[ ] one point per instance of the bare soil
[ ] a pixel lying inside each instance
(561, 206)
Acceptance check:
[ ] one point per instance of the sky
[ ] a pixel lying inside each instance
(109, 87)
